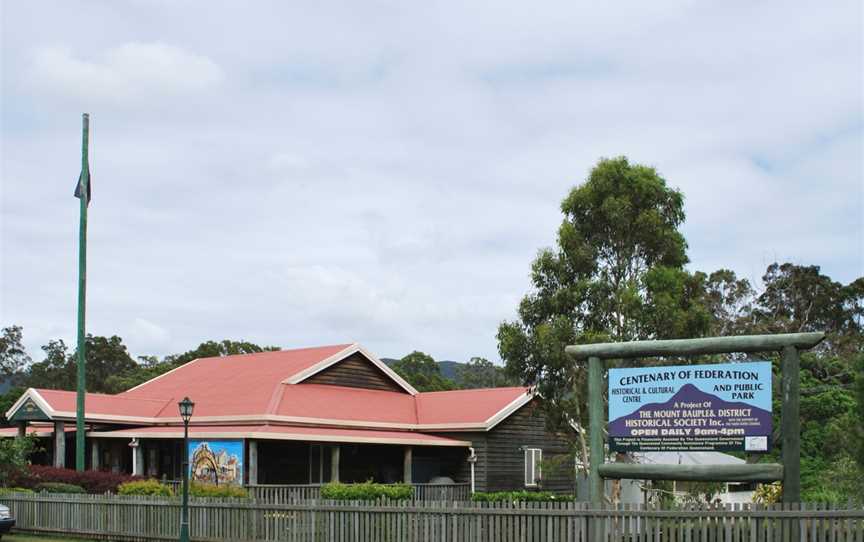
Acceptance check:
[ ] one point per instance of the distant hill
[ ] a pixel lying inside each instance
(448, 368)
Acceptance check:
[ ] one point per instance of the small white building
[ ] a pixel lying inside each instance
(736, 492)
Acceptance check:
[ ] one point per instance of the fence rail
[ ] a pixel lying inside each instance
(142, 518)
(297, 492)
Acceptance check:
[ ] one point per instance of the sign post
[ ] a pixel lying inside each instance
(737, 403)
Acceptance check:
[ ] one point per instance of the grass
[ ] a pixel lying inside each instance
(32, 538)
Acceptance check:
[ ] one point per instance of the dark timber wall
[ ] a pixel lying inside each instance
(501, 460)
(355, 371)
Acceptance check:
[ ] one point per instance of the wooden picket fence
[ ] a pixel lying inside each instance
(287, 493)
(143, 518)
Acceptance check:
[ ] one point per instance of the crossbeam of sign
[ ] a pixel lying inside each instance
(719, 407)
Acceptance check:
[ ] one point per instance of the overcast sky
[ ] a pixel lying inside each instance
(305, 173)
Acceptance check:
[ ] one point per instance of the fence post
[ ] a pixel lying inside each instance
(595, 429)
(791, 425)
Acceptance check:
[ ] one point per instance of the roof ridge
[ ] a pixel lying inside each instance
(276, 398)
(161, 410)
(369, 390)
(111, 395)
(476, 390)
(281, 351)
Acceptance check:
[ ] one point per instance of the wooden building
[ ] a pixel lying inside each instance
(307, 416)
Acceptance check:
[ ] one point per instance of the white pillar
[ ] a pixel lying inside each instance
(334, 463)
(59, 445)
(407, 460)
(472, 459)
(253, 462)
(137, 457)
(94, 454)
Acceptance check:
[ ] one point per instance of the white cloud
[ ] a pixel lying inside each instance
(143, 333)
(125, 74)
(386, 173)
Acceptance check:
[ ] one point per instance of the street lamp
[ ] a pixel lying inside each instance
(186, 408)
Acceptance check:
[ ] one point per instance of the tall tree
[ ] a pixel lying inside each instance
(800, 298)
(13, 356)
(214, 349)
(106, 357)
(421, 371)
(54, 370)
(615, 274)
(482, 373)
(730, 301)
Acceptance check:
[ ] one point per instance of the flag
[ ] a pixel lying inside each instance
(79, 187)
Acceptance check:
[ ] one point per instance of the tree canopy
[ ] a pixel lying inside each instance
(13, 357)
(421, 371)
(617, 274)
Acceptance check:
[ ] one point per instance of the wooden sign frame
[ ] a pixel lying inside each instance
(789, 472)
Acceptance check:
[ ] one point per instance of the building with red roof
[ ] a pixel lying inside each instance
(304, 416)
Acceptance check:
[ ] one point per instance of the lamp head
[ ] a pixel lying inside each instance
(186, 408)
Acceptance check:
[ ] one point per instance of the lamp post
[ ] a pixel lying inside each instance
(186, 408)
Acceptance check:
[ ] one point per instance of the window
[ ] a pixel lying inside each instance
(533, 457)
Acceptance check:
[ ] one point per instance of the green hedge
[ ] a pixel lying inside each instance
(145, 487)
(59, 487)
(217, 492)
(6, 490)
(520, 496)
(367, 491)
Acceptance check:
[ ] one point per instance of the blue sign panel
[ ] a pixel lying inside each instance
(719, 407)
(216, 461)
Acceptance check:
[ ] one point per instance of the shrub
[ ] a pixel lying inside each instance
(145, 487)
(14, 453)
(768, 493)
(367, 491)
(91, 481)
(217, 492)
(7, 490)
(520, 496)
(59, 487)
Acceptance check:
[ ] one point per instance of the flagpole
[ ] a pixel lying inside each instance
(82, 294)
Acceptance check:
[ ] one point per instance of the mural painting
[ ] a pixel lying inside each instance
(216, 461)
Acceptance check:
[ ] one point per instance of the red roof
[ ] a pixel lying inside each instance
(314, 434)
(253, 388)
(100, 403)
(464, 406)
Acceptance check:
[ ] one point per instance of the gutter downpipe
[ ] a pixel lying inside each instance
(471, 460)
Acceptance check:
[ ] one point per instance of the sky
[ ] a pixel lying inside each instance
(298, 174)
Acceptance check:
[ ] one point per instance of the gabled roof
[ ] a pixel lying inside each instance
(251, 374)
(270, 387)
(61, 404)
(486, 407)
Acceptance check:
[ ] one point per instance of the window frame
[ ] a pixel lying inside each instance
(532, 459)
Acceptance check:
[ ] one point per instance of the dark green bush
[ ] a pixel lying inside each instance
(520, 496)
(145, 487)
(367, 491)
(59, 487)
(217, 492)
